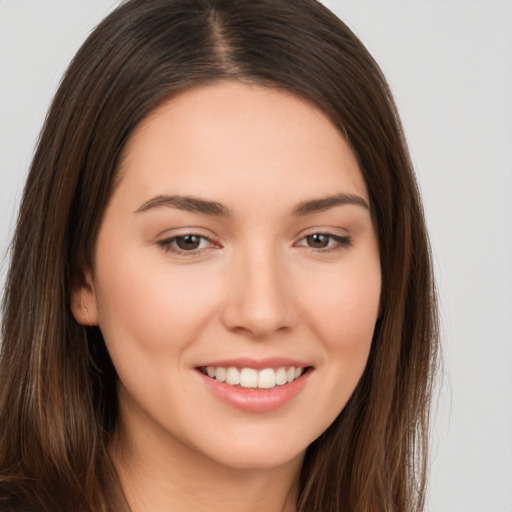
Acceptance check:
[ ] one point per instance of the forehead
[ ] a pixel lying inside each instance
(229, 139)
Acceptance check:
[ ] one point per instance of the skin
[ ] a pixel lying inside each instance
(255, 287)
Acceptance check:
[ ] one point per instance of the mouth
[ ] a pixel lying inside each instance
(246, 377)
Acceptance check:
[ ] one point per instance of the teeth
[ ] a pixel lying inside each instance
(232, 376)
(267, 378)
(250, 378)
(281, 376)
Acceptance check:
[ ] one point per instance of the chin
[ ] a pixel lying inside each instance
(256, 460)
(258, 452)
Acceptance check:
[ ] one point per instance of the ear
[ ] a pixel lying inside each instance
(83, 299)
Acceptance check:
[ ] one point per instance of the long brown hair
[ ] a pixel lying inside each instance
(58, 399)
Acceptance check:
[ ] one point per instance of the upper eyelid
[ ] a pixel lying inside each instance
(178, 230)
(334, 232)
(342, 239)
(186, 233)
(169, 245)
(170, 234)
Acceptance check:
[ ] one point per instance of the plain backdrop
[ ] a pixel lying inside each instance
(449, 63)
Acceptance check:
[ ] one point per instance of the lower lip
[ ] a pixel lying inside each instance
(254, 399)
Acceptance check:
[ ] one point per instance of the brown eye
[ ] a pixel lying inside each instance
(318, 241)
(188, 242)
(325, 242)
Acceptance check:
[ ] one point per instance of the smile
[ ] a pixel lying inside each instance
(255, 386)
(265, 378)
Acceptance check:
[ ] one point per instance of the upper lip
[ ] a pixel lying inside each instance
(257, 364)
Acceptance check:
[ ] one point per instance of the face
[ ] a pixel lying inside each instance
(236, 276)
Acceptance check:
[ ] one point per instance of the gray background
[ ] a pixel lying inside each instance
(449, 63)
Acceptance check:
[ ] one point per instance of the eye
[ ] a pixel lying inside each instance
(188, 243)
(324, 241)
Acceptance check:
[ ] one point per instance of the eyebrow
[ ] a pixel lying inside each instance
(213, 208)
(187, 203)
(325, 203)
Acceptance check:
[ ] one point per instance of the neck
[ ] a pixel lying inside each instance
(171, 477)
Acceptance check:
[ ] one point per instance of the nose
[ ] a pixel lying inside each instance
(260, 299)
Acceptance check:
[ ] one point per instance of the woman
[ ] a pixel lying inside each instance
(220, 292)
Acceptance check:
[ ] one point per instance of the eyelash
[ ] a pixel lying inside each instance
(335, 243)
(170, 244)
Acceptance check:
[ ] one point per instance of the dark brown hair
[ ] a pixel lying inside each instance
(58, 400)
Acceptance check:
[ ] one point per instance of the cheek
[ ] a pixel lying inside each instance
(152, 311)
(343, 313)
(344, 308)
